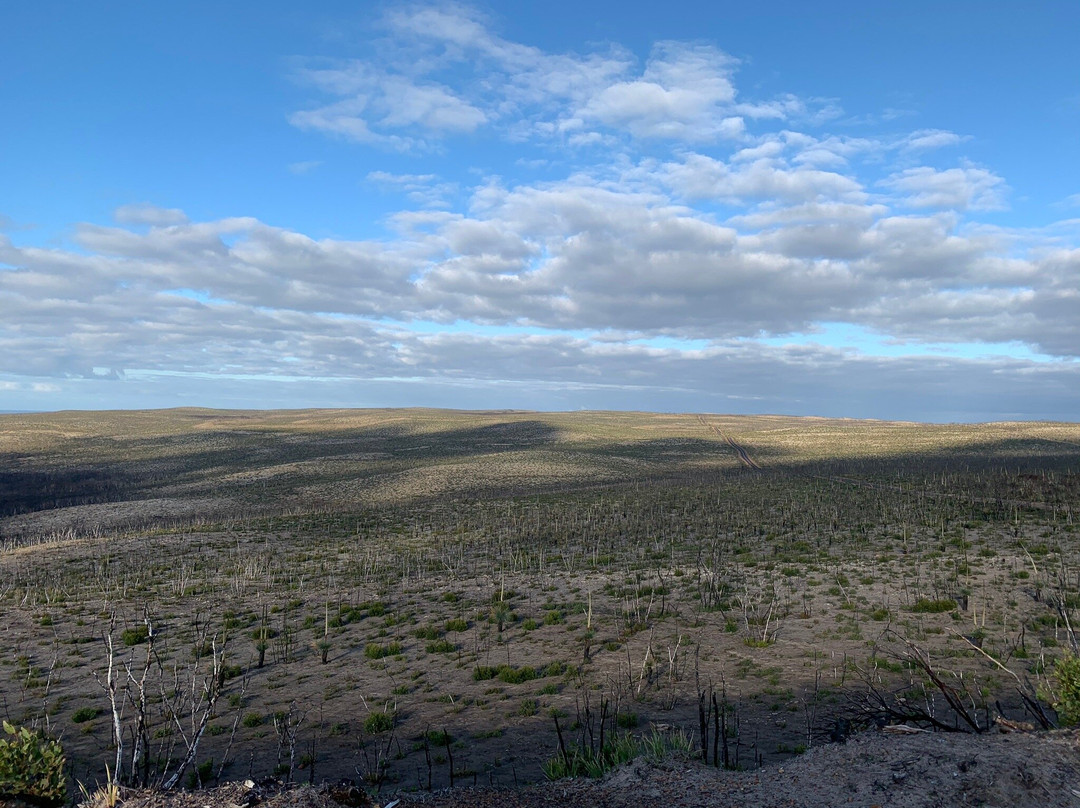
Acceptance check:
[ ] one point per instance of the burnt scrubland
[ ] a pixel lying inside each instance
(414, 599)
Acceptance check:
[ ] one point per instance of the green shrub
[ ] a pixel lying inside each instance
(252, 720)
(231, 671)
(202, 649)
(440, 647)
(378, 721)
(927, 606)
(557, 668)
(528, 707)
(200, 775)
(348, 614)
(626, 720)
(31, 768)
(457, 624)
(515, 676)
(582, 760)
(438, 737)
(84, 714)
(135, 635)
(505, 673)
(374, 650)
(427, 633)
(501, 614)
(1067, 674)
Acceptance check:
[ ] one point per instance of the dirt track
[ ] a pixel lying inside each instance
(744, 456)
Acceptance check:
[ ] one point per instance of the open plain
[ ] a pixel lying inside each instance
(418, 598)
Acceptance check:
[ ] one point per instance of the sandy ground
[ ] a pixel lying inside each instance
(872, 769)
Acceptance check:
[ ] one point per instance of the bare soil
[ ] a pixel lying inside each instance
(873, 768)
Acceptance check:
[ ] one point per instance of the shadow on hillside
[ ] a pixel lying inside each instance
(195, 463)
(99, 472)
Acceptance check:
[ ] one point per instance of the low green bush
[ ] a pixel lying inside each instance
(200, 775)
(31, 768)
(927, 606)
(1067, 676)
(84, 714)
(582, 760)
(557, 668)
(378, 721)
(529, 707)
(505, 673)
(438, 737)
(374, 650)
(252, 720)
(626, 720)
(135, 635)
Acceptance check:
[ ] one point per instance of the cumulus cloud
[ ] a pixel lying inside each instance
(967, 188)
(698, 177)
(683, 94)
(589, 252)
(442, 70)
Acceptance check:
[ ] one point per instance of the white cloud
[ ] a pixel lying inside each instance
(968, 188)
(145, 213)
(442, 70)
(701, 177)
(379, 105)
(932, 139)
(304, 167)
(610, 251)
(684, 93)
(425, 190)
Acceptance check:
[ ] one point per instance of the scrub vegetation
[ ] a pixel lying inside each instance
(424, 598)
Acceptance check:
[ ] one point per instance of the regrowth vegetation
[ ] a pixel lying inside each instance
(425, 598)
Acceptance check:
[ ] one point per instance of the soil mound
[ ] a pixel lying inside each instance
(874, 768)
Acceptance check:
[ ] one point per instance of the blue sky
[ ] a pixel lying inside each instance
(838, 208)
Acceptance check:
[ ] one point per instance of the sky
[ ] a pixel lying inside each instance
(842, 209)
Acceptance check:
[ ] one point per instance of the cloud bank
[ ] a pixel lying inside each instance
(697, 247)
